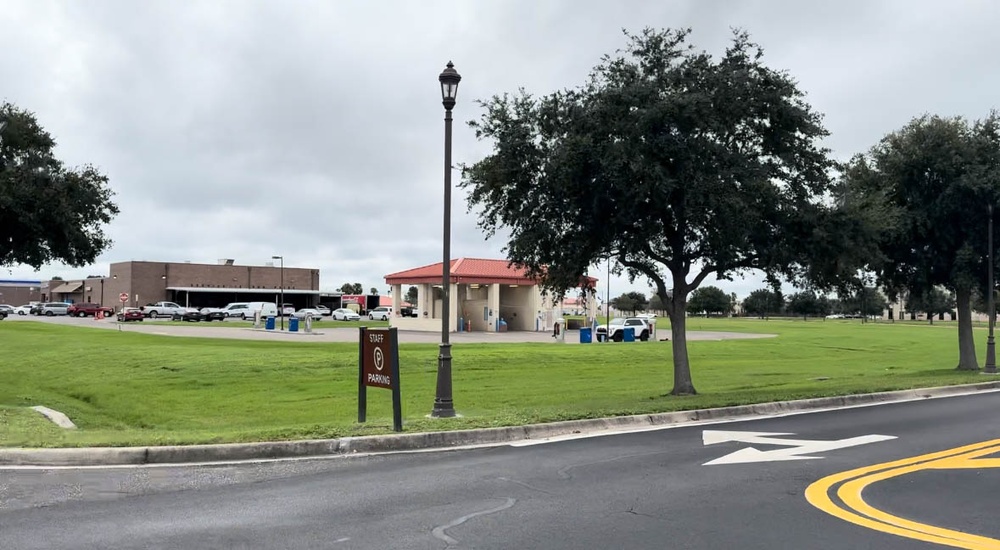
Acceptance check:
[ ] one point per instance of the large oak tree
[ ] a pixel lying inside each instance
(679, 165)
(936, 178)
(48, 212)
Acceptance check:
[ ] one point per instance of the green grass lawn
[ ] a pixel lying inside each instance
(125, 388)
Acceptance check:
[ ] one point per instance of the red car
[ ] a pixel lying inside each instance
(131, 314)
(87, 309)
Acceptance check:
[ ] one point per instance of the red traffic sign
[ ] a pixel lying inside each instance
(123, 296)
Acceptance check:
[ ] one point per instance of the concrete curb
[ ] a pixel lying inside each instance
(179, 454)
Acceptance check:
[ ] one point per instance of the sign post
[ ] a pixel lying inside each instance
(378, 366)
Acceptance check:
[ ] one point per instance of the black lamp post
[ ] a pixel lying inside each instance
(281, 292)
(444, 407)
(991, 357)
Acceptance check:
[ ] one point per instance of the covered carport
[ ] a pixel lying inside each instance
(199, 297)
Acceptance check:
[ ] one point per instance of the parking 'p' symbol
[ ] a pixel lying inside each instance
(379, 359)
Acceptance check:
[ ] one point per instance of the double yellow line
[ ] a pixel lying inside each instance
(853, 508)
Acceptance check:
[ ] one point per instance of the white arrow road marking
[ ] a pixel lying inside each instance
(796, 448)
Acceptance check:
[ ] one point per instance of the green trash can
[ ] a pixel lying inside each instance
(293, 324)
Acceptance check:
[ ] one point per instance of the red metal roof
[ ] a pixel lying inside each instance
(467, 270)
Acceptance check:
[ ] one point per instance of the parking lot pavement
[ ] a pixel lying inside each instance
(329, 331)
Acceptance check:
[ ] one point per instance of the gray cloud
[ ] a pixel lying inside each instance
(243, 129)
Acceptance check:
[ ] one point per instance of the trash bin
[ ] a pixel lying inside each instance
(293, 324)
(269, 324)
(628, 334)
(585, 335)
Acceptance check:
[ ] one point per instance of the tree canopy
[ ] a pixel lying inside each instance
(709, 300)
(349, 288)
(631, 302)
(934, 301)
(676, 164)
(763, 302)
(48, 212)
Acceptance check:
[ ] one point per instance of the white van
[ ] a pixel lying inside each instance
(266, 309)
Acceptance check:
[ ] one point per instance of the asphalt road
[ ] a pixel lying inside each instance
(647, 489)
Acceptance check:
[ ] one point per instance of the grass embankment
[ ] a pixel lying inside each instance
(125, 388)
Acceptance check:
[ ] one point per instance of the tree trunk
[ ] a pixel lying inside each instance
(678, 332)
(966, 342)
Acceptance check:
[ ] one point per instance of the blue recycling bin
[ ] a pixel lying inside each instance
(586, 335)
(293, 324)
(628, 334)
(269, 323)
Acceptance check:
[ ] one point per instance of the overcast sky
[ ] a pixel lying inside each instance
(314, 129)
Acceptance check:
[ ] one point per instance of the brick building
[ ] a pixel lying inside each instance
(193, 285)
(17, 292)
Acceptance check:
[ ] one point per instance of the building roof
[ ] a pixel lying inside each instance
(465, 270)
(468, 270)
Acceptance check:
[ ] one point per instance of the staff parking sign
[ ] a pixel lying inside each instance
(378, 366)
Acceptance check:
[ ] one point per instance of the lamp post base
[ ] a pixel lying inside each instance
(991, 357)
(444, 407)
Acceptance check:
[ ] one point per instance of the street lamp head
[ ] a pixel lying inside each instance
(277, 258)
(449, 80)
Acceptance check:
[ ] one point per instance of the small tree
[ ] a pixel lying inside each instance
(760, 303)
(932, 302)
(373, 291)
(411, 295)
(709, 300)
(804, 304)
(630, 301)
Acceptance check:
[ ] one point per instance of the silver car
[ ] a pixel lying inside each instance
(54, 308)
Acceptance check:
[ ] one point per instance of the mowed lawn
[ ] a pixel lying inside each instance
(129, 389)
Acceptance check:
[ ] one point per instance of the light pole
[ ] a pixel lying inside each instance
(444, 407)
(281, 292)
(991, 357)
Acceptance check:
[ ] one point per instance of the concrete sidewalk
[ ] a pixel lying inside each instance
(105, 456)
(329, 331)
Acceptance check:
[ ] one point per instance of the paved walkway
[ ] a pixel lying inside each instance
(328, 331)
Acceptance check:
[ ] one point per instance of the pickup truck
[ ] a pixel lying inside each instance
(167, 309)
(615, 330)
(85, 309)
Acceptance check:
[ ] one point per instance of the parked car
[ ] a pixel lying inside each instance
(36, 309)
(54, 308)
(381, 313)
(266, 309)
(23, 310)
(131, 314)
(615, 330)
(189, 314)
(287, 309)
(301, 314)
(3, 314)
(344, 314)
(409, 311)
(84, 309)
(235, 309)
(212, 314)
(323, 310)
(7, 309)
(163, 308)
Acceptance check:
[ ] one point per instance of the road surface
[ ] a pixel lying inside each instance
(650, 489)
